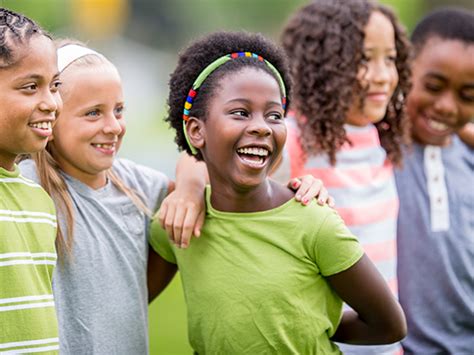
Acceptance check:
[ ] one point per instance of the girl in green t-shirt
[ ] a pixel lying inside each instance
(267, 275)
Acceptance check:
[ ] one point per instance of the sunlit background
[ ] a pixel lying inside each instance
(142, 38)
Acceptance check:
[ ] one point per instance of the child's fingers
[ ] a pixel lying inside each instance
(162, 214)
(178, 222)
(331, 202)
(192, 214)
(199, 223)
(323, 196)
(169, 222)
(294, 183)
(309, 189)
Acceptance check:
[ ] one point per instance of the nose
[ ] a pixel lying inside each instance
(50, 102)
(112, 125)
(446, 104)
(380, 72)
(259, 127)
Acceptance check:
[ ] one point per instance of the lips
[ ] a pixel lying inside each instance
(108, 148)
(435, 126)
(43, 128)
(254, 156)
(377, 96)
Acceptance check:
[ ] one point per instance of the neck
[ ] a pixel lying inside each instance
(7, 162)
(94, 181)
(258, 198)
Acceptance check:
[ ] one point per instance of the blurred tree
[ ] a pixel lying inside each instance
(53, 15)
(99, 19)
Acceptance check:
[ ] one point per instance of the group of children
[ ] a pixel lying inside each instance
(267, 274)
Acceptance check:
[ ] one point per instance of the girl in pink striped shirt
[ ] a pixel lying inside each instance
(350, 67)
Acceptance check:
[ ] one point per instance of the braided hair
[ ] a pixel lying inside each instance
(199, 55)
(15, 30)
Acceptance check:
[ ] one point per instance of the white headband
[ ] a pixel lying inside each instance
(71, 52)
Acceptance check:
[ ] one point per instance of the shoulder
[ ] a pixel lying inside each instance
(136, 175)
(28, 170)
(150, 184)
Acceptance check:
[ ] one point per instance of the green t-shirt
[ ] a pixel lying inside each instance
(27, 258)
(254, 282)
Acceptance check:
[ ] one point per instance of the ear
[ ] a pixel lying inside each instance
(195, 128)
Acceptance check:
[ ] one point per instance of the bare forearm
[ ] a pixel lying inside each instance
(377, 317)
(159, 274)
(354, 330)
(190, 171)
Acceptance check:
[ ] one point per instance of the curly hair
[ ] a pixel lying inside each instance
(204, 51)
(15, 30)
(324, 41)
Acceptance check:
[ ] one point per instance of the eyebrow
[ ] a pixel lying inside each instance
(247, 101)
(444, 78)
(36, 77)
(371, 49)
(435, 76)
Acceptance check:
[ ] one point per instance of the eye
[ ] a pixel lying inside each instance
(467, 96)
(241, 113)
(30, 87)
(56, 85)
(432, 87)
(93, 113)
(275, 116)
(118, 112)
(391, 58)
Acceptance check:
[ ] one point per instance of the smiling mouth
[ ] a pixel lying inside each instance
(253, 156)
(46, 125)
(104, 145)
(437, 126)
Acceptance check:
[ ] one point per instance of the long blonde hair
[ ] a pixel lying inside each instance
(51, 179)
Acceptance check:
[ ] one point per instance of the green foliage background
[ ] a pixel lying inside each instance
(168, 25)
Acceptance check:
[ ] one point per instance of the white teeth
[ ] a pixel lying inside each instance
(253, 151)
(105, 146)
(254, 162)
(437, 125)
(42, 125)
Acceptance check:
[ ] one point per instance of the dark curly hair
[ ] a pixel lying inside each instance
(324, 41)
(204, 51)
(15, 30)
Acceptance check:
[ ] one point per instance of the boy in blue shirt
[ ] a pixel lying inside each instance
(436, 220)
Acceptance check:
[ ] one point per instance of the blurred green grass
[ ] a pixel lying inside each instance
(167, 322)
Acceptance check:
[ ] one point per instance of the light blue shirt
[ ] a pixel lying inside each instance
(436, 257)
(100, 290)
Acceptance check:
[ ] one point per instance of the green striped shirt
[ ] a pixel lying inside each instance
(27, 258)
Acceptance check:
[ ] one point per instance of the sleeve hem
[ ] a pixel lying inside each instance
(346, 265)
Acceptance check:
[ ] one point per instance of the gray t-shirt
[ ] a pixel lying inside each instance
(436, 249)
(100, 290)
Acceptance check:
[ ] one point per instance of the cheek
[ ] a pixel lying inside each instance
(395, 78)
(466, 114)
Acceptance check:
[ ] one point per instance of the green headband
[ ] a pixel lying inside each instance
(208, 70)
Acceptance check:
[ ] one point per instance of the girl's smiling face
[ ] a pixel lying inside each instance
(90, 127)
(244, 131)
(378, 75)
(29, 99)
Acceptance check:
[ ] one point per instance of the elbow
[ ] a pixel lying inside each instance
(396, 330)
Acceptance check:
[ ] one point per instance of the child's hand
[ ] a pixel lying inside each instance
(467, 134)
(308, 187)
(182, 215)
